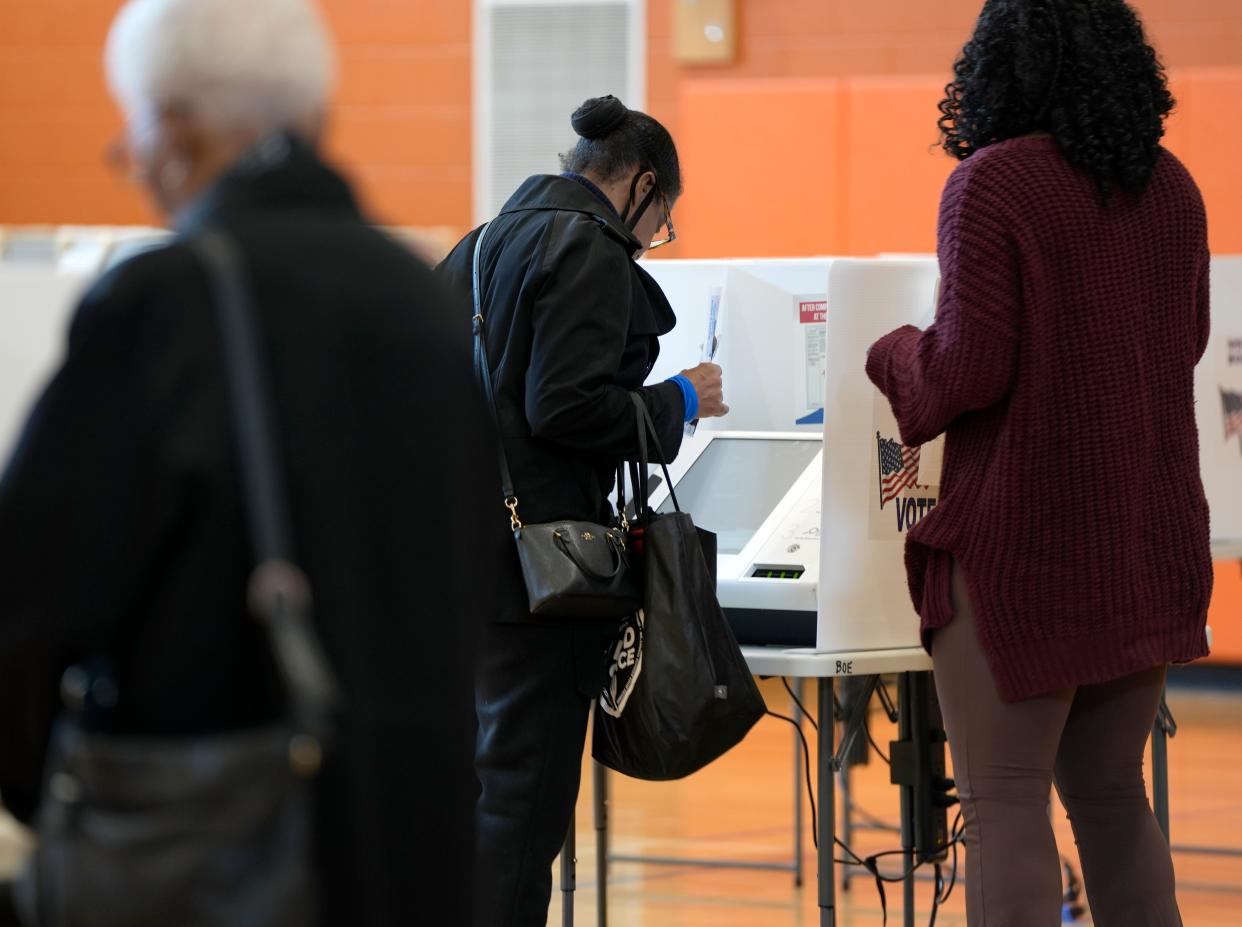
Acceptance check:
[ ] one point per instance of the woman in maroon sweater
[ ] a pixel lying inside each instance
(1068, 561)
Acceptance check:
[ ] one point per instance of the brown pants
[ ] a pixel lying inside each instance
(1090, 741)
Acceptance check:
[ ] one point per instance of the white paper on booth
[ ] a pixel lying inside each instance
(931, 462)
(813, 325)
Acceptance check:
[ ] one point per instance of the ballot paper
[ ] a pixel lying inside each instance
(707, 352)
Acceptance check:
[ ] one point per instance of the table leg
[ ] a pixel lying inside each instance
(797, 783)
(827, 806)
(906, 720)
(600, 773)
(847, 819)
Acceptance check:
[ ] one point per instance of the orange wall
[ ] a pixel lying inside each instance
(836, 103)
(849, 165)
(401, 124)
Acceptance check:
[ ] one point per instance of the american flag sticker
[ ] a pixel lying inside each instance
(899, 468)
(899, 501)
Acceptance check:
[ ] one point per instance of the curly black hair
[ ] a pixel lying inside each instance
(1080, 70)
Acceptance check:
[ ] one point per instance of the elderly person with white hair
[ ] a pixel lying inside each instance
(124, 544)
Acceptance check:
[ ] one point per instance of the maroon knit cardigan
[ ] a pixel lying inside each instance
(1061, 363)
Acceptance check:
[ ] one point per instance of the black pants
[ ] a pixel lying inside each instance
(533, 696)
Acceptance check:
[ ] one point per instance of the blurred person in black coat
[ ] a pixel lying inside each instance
(121, 525)
(572, 323)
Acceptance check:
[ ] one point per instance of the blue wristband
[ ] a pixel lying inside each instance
(688, 395)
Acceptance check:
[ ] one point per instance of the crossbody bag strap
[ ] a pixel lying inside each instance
(279, 594)
(483, 370)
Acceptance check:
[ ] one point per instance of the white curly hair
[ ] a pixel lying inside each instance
(251, 66)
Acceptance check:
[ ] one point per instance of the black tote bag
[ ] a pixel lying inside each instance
(679, 694)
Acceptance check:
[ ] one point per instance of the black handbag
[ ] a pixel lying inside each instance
(572, 569)
(205, 831)
(679, 693)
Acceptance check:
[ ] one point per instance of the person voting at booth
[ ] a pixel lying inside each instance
(176, 789)
(1067, 562)
(571, 323)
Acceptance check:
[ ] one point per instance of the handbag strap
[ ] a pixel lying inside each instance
(646, 427)
(278, 593)
(483, 370)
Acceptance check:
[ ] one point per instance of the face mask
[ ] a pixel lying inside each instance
(632, 220)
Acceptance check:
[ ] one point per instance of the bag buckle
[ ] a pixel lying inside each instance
(511, 503)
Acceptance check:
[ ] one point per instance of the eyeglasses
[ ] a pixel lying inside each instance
(668, 223)
(119, 154)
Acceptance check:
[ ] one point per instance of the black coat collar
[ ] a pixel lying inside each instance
(280, 174)
(652, 314)
(547, 191)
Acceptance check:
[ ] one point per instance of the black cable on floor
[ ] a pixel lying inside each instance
(806, 756)
(886, 700)
(936, 899)
(797, 701)
(875, 747)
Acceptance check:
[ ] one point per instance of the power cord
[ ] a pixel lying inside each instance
(944, 892)
(806, 756)
(876, 748)
(811, 718)
(797, 701)
(872, 863)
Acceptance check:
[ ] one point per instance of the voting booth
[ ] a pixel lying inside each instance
(792, 341)
(759, 493)
(753, 477)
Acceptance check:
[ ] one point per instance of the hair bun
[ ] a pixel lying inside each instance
(599, 116)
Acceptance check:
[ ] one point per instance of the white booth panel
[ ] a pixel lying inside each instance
(771, 336)
(1218, 394)
(36, 302)
(688, 286)
(870, 494)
